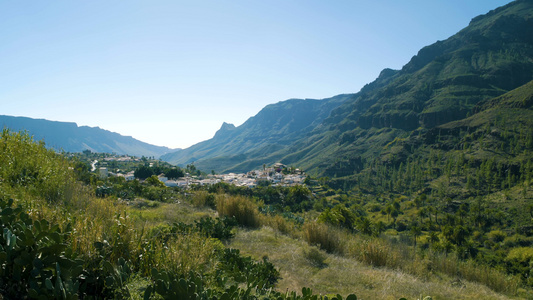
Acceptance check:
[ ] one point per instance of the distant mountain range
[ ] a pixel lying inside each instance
(449, 81)
(70, 137)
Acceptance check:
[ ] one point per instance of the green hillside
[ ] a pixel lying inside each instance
(444, 82)
(273, 128)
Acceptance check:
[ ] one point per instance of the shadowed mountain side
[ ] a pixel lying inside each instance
(70, 137)
(274, 127)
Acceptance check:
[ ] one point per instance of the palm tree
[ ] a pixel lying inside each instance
(433, 237)
(365, 226)
(415, 231)
(380, 227)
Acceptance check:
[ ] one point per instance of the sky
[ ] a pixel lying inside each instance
(170, 72)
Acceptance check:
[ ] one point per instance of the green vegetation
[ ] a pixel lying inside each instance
(78, 244)
(62, 241)
(422, 186)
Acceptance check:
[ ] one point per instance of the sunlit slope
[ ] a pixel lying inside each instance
(442, 83)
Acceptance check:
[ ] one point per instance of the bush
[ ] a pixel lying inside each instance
(202, 199)
(323, 236)
(239, 207)
(375, 252)
(243, 269)
(315, 257)
(30, 165)
(497, 236)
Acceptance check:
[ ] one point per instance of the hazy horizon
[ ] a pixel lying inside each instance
(170, 73)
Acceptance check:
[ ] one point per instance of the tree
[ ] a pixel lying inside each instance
(380, 227)
(191, 169)
(154, 181)
(433, 237)
(143, 172)
(388, 211)
(364, 226)
(298, 194)
(394, 214)
(460, 235)
(174, 173)
(448, 247)
(415, 231)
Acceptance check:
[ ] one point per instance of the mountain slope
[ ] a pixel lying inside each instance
(274, 127)
(444, 82)
(73, 138)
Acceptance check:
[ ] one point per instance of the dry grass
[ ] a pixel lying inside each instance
(491, 277)
(281, 225)
(169, 213)
(373, 251)
(324, 236)
(240, 207)
(347, 275)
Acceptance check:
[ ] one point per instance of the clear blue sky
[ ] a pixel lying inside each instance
(170, 72)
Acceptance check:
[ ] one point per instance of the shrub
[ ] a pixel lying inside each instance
(202, 199)
(315, 257)
(216, 228)
(239, 207)
(520, 261)
(374, 251)
(30, 165)
(210, 228)
(497, 236)
(243, 269)
(36, 262)
(323, 236)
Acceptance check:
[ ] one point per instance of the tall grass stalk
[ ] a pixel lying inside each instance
(281, 225)
(240, 207)
(325, 237)
(373, 251)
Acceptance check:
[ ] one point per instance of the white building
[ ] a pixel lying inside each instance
(162, 178)
(171, 183)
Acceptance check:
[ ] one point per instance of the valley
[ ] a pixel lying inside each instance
(419, 186)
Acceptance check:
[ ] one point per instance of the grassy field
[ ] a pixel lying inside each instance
(302, 265)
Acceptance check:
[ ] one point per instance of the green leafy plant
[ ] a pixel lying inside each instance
(34, 258)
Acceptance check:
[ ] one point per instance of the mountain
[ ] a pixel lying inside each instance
(443, 83)
(275, 127)
(70, 137)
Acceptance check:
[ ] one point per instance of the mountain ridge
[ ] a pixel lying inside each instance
(274, 127)
(69, 137)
